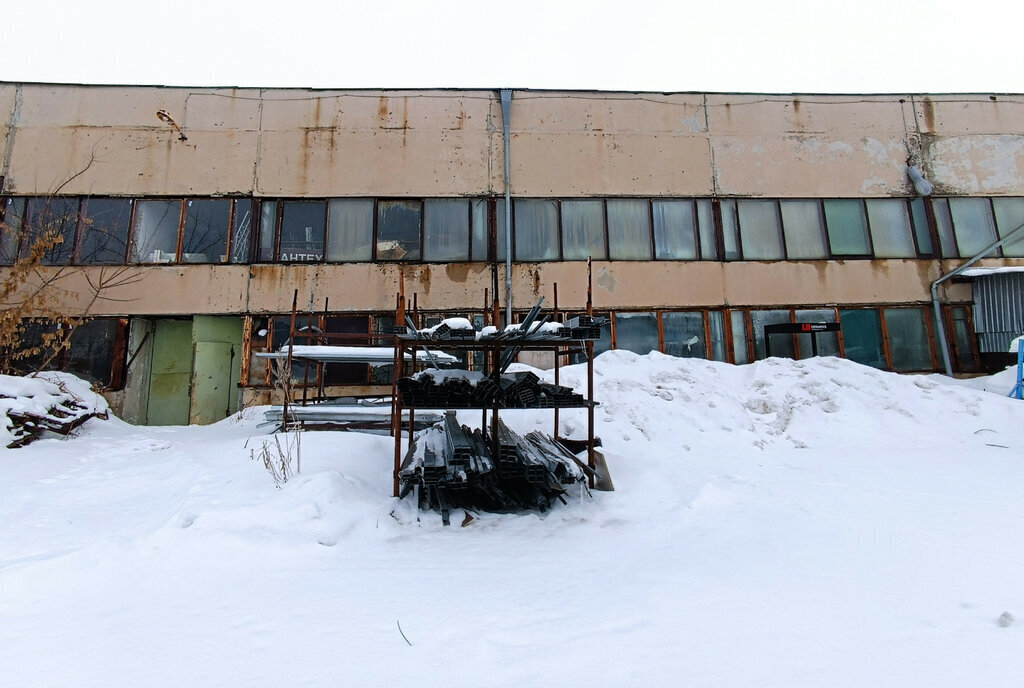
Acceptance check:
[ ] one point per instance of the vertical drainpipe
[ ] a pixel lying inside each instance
(506, 107)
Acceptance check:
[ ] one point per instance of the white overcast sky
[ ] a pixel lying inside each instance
(848, 46)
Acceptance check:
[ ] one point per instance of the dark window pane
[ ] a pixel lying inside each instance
(706, 227)
(716, 323)
(51, 220)
(350, 230)
(206, 231)
(921, 232)
(730, 232)
(782, 344)
(759, 230)
(91, 355)
(740, 343)
(10, 230)
(1010, 216)
(909, 347)
(347, 373)
(803, 226)
(583, 230)
(674, 230)
(963, 337)
(302, 231)
(501, 225)
(446, 230)
(536, 225)
(105, 225)
(241, 230)
(891, 235)
(862, 337)
(480, 246)
(827, 342)
(268, 224)
(155, 231)
(636, 332)
(398, 230)
(629, 230)
(684, 334)
(847, 227)
(973, 224)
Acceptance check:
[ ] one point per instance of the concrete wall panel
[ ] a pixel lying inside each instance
(976, 164)
(977, 114)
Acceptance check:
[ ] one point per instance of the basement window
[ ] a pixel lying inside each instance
(684, 334)
(350, 230)
(105, 225)
(827, 342)
(446, 230)
(398, 230)
(740, 340)
(636, 332)
(862, 337)
(909, 346)
(583, 230)
(782, 344)
(629, 230)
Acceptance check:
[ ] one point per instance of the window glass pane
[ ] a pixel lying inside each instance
(582, 230)
(803, 226)
(241, 230)
(105, 231)
(629, 229)
(847, 227)
(759, 230)
(446, 229)
(973, 224)
(782, 344)
(890, 228)
(53, 220)
(674, 230)
(91, 354)
(206, 231)
(280, 333)
(827, 342)
(350, 230)
(921, 232)
(155, 231)
(398, 230)
(730, 237)
(706, 224)
(347, 373)
(268, 223)
(862, 337)
(684, 334)
(740, 345)
(964, 339)
(303, 224)
(10, 231)
(500, 225)
(480, 230)
(536, 225)
(1010, 216)
(944, 226)
(636, 332)
(908, 339)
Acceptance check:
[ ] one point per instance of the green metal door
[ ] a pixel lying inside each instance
(216, 368)
(171, 370)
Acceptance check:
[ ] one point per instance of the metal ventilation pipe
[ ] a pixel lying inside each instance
(506, 108)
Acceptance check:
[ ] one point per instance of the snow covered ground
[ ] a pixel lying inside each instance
(812, 523)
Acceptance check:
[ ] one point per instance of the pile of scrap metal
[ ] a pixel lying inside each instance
(453, 466)
(465, 389)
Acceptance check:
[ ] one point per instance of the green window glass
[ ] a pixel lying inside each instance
(862, 336)
(1010, 216)
(847, 227)
(909, 347)
(891, 234)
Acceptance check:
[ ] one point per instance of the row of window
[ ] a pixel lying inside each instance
(102, 231)
(899, 338)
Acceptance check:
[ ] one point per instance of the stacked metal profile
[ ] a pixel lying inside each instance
(454, 467)
(512, 390)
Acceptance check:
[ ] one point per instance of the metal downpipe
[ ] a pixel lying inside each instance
(506, 108)
(939, 323)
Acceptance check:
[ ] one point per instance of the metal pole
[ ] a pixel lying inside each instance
(506, 108)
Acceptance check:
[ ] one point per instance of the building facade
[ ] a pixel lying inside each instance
(203, 211)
